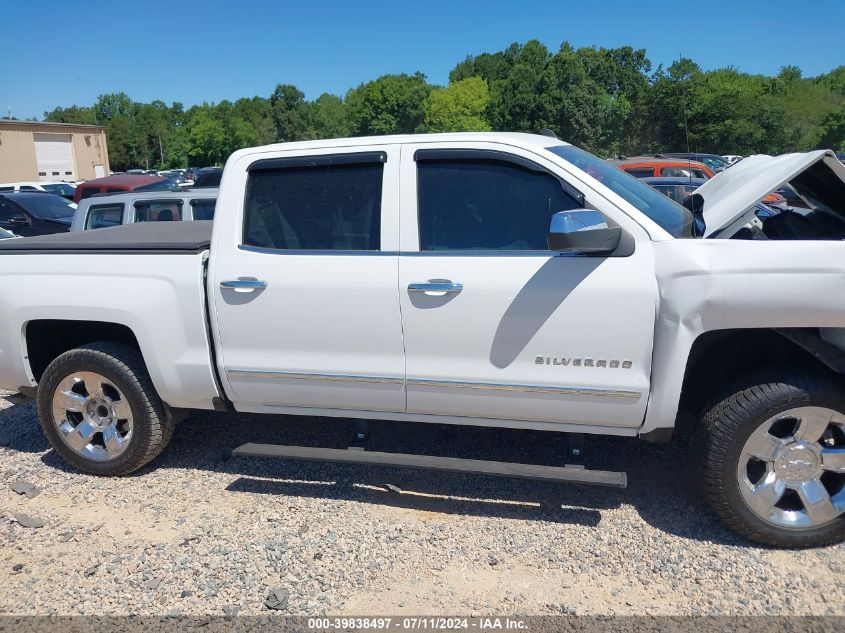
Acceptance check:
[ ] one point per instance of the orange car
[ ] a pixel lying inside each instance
(649, 167)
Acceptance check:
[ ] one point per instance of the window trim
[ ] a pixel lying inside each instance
(178, 201)
(92, 207)
(313, 160)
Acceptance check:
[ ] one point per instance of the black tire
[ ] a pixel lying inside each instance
(124, 366)
(720, 439)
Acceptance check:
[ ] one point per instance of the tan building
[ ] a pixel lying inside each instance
(33, 151)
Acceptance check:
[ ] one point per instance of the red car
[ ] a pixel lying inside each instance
(112, 184)
(650, 167)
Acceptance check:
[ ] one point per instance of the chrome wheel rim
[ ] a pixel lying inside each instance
(791, 470)
(92, 416)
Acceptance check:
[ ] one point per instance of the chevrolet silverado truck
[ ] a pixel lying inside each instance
(496, 280)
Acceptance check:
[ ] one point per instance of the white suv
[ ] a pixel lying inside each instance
(63, 189)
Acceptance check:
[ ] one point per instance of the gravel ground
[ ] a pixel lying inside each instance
(198, 533)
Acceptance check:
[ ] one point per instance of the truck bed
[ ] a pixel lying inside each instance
(143, 237)
(148, 278)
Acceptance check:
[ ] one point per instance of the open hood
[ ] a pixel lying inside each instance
(730, 196)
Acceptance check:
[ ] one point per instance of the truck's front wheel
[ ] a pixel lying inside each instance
(99, 410)
(772, 461)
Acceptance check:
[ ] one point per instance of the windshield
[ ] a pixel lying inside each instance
(671, 216)
(60, 189)
(47, 206)
(716, 164)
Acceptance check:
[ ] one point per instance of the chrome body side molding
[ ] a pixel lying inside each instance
(260, 374)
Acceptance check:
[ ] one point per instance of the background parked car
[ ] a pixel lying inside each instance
(35, 213)
(677, 188)
(165, 184)
(714, 162)
(144, 206)
(732, 158)
(649, 167)
(112, 184)
(4, 234)
(63, 189)
(207, 177)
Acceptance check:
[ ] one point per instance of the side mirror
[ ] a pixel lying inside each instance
(582, 231)
(20, 220)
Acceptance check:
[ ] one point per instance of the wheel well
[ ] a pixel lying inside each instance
(46, 339)
(720, 356)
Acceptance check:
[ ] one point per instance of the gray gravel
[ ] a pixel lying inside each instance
(199, 533)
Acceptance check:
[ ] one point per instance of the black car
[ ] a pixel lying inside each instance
(35, 213)
(207, 177)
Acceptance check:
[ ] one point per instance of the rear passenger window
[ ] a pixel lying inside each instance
(486, 205)
(163, 211)
(87, 192)
(203, 209)
(643, 172)
(105, 215)
(324, 203)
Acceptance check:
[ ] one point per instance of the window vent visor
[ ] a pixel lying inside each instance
(299, 162)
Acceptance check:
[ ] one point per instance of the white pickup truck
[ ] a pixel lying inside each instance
(498, 280)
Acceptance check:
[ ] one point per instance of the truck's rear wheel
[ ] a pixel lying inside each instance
(99, 410)
(773, 462)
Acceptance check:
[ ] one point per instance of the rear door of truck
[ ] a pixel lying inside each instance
(303, 280)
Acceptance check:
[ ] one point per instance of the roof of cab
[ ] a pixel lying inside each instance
(519, 139)
(123, 196)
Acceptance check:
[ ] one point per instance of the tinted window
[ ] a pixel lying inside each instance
(87, 192)
(203, 209)
(7, 211)
(6, 189)
(674, 218)
(326, 207)
(46, 206)
(641, 172)
(104, 215)
(163, 211)
(491, 205)
(60, 189)
(114, 190)
(683, 172)
(29, 188)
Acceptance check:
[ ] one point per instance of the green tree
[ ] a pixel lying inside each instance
(328, 118)
(289, 113)
(392, 104)
(460, 107)
(72, 114)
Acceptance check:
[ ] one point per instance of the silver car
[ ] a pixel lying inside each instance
(144, 206)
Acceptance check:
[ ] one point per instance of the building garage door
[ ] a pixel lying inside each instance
(54, 154)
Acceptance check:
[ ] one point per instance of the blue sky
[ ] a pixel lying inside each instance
(62, 53)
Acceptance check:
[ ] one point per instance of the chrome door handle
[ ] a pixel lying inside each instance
(244, 285)
(436, 286)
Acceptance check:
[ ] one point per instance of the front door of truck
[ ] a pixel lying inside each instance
(496, 326)
(304, 278)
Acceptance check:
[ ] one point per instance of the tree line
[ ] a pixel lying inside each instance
(607, 100)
